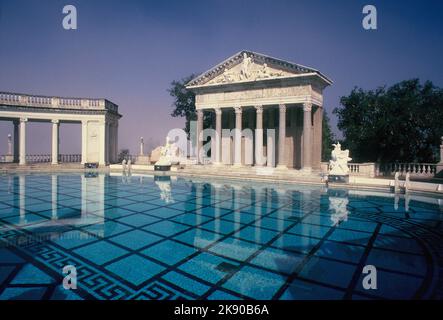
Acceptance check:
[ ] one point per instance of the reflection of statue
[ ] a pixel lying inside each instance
(338, 165)
(165, 191)
(338, 208)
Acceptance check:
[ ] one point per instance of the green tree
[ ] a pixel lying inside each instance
(184, 103)
(401, 123)
(327, 138)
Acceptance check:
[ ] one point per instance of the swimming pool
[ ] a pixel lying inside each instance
(145, 237)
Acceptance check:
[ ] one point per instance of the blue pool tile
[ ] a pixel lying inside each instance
(295, 243)
(166, 228)
(115, 213)
(221, 226)
(30, 274)
(255, 283)
(61, 293)
(100, 252)
(309, 230)
(6, 256)
(278, 260)
(391, 285)
(240, 217)
(397, 261)
(205, 266)
(188, 284)
(185, 206)
(140, 207)
(135, 239)
(5, 272)
(398, 244)
(74, 238)
(340, 251)
(328, 272)
(164, 213)
(198, 238)
(275, 224)
(302, 290)
(138, 220)
(255, 234)
(169, 252)
(358, 225)
(214, 212)
(135, 269)
(222, 295)
(235, 248)
(191, 219)
(32, 293)
(108, 229)
(350, 236)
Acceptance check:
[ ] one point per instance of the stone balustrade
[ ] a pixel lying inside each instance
(47, 158)
(23, 100)
(415, 169)
(367, 169)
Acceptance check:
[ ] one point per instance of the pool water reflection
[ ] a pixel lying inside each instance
(140, 237)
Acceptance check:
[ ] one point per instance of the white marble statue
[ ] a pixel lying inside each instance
(247, 62)
(169, 154)
(338, 165)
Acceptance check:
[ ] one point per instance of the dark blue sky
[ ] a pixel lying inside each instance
(130, 51)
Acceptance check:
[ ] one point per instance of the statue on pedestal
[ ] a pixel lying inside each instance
(142, 146)
(338, 165)
(141, 158)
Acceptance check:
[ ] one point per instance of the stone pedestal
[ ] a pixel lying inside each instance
(143, 160)
(9, 158)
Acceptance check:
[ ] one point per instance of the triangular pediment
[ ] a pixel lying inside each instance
(251, 66)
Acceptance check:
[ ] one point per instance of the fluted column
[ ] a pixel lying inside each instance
(282, 136)
(22, 141)
(307, 139)
(199, 136)
(16, 140)
(259, 159)
(218, 136)
(84, 141)
(55, 140)
(238, 138)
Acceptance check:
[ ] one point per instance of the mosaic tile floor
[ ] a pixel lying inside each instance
(146, 238)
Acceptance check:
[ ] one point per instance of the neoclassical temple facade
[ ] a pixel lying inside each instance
(98, 118)
(254, 91)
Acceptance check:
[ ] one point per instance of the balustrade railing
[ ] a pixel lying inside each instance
(15, 99)
(418, 169)
(47, 158)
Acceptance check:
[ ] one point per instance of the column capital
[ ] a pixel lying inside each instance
(218, 111)
(23, 119)
(55, 121)
(84, 122)
(282, 107)
(307, 107)
(238, 110)
(259, 109)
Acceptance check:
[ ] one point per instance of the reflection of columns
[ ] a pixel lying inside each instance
(16, 140)
(218, 135)
(307, 133)
(259, 161)
(198, 211)
(22, 195)
(84, 141)
(54, 197)
(238, 138)
(282, 136)
(199, 136)
(22, 137)
(55, 141)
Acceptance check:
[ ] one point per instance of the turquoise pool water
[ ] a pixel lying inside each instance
(161, 238)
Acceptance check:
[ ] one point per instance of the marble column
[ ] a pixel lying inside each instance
(307, 139)
(259, 159)
(84, 141)
(238, 136)
(22, 137)
(116, 141)
(218, 136)
(55, 141)
(282, 137)
(16, 140)
(103, 140)
(199, 136)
